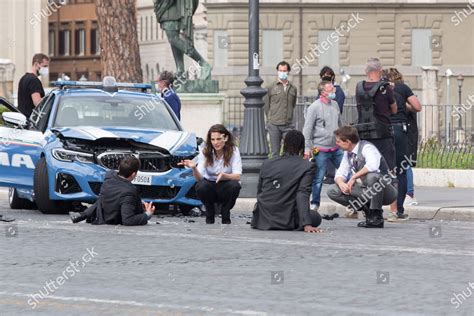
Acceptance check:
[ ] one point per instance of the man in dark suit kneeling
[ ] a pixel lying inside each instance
(284, 188)
(119, 201)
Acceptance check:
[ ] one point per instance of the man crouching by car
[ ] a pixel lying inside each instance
(119, 201)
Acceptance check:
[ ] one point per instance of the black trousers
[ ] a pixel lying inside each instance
(224, 192)
(401, 149)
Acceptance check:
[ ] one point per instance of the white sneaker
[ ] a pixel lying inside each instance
(410, 201)
(313, 207)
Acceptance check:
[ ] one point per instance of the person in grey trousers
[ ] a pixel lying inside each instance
(280, 102)
(323, 117)
(362, 180)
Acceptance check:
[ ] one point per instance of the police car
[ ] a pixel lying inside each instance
(59, 156)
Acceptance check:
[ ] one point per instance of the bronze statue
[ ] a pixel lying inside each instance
(176, 19)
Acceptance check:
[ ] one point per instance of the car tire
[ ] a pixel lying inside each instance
(41, 188)
(16, 202)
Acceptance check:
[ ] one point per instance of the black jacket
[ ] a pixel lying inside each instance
(118, 203)
(284, 188)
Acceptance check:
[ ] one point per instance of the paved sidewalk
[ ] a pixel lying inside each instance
(433, 203)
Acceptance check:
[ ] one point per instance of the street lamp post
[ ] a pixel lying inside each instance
(460, 81)
(253, 143)
(448, 73)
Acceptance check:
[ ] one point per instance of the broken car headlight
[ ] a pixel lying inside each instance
(70, 156)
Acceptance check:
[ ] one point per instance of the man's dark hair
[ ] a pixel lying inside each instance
(293, 143)
(347, 132)
(38, 58)
(284, 63)
(327, 70)
(128, 165)
(167, 76)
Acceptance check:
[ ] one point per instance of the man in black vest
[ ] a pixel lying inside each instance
(375, 104)
(362, 180)
(119, 201)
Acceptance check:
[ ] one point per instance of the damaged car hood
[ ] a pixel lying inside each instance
(175, 142)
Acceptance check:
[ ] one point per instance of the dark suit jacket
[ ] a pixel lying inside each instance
(284, 188)
(118, 203)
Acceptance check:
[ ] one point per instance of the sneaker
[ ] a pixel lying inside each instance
(314, 207)
(410, 201)
(402, 216)
(392, 217)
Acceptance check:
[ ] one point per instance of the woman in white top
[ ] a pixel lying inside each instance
(217, 172)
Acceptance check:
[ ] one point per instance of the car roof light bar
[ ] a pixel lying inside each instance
(108, 84)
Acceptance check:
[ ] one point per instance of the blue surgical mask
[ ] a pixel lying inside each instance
(282, 75)
(332, 95)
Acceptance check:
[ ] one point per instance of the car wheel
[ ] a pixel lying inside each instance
(41, 188)
(16, 202)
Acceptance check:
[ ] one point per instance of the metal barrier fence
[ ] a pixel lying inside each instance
(432, 154)
(431, 120)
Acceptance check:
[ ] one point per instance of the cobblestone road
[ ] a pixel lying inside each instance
(189, 268)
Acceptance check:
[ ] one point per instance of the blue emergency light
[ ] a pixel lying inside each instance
(108, 84)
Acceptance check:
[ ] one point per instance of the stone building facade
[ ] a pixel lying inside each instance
(311, 34)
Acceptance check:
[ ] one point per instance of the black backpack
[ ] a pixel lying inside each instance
(368, 126)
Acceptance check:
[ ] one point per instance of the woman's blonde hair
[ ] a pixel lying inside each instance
(395, 76)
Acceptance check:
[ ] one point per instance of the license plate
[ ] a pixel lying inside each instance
(142, 179)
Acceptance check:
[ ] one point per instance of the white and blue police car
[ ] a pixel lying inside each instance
(80, 130)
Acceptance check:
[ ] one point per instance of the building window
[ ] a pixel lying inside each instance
(221, 48)
(64, 42)
(328, 49)
(80, 40)
(95, 45)
(272, 47)
(146, 28)
(151, 28)
(421, 47)
(52, 42)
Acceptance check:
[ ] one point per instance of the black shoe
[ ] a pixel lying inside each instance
(328, 180)
(226, 221)
(77, 217)
(210, 220)
(367, 213)
(375, 220)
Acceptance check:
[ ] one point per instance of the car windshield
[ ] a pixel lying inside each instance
(116, 111)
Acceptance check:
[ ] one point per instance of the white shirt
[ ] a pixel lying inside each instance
(372, 161)
(210, 172)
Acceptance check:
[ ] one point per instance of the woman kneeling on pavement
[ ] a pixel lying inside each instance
(217, 172)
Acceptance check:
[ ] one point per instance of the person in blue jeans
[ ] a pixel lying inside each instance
(327, 74)
(323, 117)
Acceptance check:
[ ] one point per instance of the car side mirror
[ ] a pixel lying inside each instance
(15, 118)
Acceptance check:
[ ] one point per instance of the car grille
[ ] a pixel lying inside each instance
(153, 192)
(149, 162)
(157, 192)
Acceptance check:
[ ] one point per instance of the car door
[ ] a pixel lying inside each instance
(21, 147)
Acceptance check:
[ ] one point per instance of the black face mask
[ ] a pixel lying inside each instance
(327, 78)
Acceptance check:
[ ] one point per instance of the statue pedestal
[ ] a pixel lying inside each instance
(197, 85)
(199, 111)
